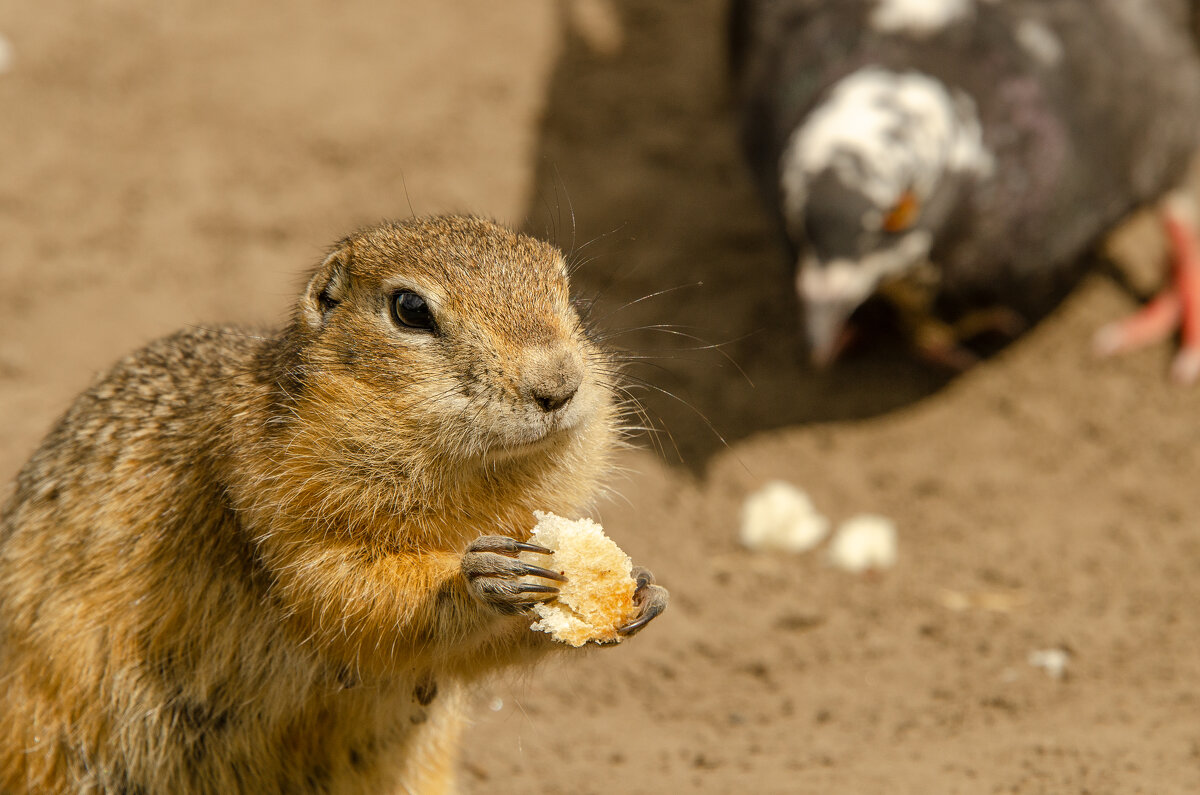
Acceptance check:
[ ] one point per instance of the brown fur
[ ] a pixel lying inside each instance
(235, 564)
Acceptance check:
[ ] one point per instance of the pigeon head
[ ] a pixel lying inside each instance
(868, 179)
(849, 246)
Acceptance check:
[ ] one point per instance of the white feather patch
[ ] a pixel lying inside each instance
(883, 133)
(853, 281)
(1039, 41)
(918, 16)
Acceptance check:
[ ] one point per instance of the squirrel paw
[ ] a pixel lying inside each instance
(494, 574)
(651, 600)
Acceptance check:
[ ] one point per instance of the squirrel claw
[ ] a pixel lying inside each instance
(652, 599)
(494, 575)
(505, 545)
(533, 587)
(651, 612)
(538, 571)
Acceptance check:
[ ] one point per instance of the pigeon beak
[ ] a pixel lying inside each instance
(825, 326)
(830, 292)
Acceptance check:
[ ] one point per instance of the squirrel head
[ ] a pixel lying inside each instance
(439, 350)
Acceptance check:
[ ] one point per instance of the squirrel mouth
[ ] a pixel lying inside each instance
(507, 451)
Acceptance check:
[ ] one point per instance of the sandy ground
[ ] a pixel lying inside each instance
(183, 162)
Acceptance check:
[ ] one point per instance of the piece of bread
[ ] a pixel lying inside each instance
(863, 543)
(780, 516)
(597, 597)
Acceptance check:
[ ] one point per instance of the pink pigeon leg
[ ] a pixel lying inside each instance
(1186, 366)
(1177, 307)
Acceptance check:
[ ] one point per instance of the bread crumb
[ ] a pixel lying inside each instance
(597, 597)
(864, 542)
(1052, 661)
(598, 24)
(6, 55)
(780, 516)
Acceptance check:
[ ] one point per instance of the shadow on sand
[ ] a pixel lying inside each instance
(641, 179)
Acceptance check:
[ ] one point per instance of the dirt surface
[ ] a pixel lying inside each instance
(184, 162)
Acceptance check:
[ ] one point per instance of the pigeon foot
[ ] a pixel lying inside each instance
(1176, 308)
(943, 343)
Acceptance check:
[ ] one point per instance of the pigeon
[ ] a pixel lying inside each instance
(969, 151)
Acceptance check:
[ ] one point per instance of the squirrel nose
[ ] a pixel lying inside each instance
(550, 401)
(552, 379)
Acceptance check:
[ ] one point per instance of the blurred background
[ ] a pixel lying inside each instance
(170, 163)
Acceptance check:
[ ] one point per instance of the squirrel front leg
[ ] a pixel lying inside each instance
(380, 612)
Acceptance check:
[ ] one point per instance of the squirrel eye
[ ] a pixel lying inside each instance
(903, 213)
(410, 309)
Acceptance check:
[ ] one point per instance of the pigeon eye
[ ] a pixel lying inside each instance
(903, 213)
(411, 311)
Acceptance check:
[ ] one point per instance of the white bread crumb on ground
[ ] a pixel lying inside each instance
(6, 55)
(780, 516)
(864, 542)
(1052, 661)
(599, 24)
(597, 597)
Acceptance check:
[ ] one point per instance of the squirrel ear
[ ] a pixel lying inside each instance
(328, 287)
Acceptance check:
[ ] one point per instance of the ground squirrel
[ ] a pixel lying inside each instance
(273, 564)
